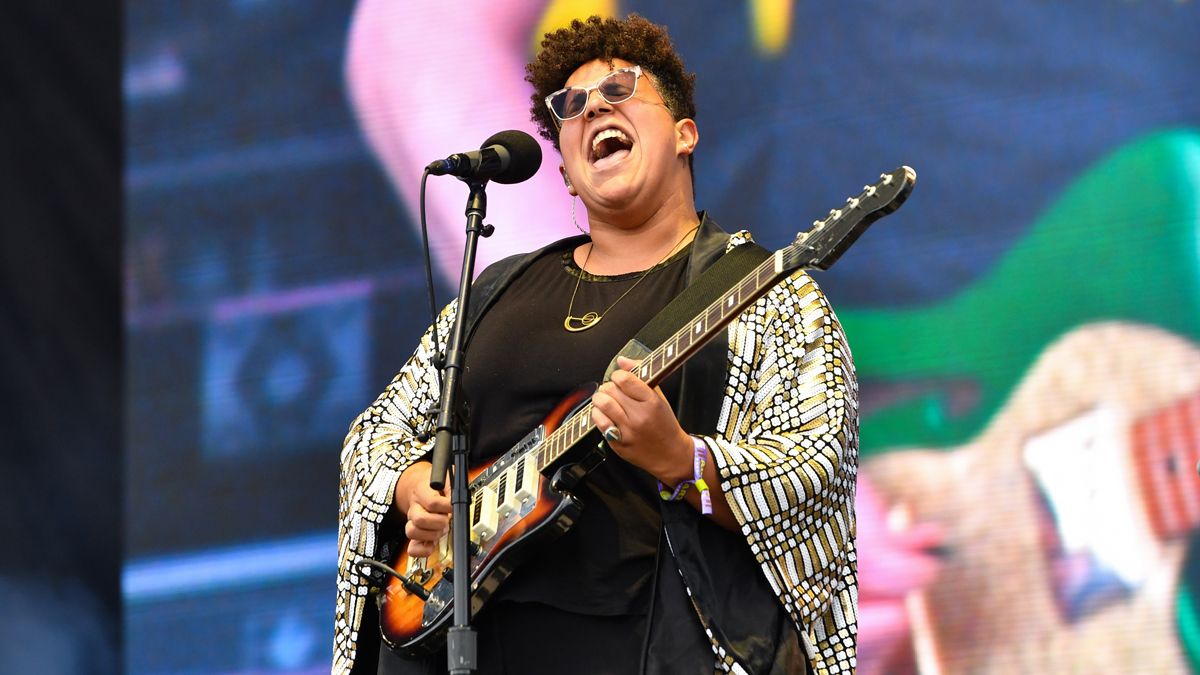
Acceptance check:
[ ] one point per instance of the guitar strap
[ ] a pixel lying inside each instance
(706, 562)
(712, 283)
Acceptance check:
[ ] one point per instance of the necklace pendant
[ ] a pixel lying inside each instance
(578, 324)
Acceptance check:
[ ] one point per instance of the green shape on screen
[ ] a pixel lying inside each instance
(1121, 244)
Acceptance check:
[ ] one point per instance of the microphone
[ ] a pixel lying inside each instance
(507, 157)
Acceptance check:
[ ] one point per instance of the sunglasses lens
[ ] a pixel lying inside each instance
(618, 86)
(569, 102)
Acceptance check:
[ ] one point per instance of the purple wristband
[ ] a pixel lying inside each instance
(699, 457)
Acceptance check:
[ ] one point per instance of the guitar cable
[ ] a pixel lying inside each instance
(407, 582)
(440, 357)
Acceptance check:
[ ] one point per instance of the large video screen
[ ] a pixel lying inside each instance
(1026, 330)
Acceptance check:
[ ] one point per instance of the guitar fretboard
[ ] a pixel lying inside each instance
(1166, 448)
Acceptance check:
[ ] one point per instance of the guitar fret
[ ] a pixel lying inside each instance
(713, 316)
(765, 275)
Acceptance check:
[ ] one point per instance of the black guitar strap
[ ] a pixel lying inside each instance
(712, 283)
(701, 550)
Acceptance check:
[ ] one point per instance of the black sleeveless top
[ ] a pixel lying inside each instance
(520, 362)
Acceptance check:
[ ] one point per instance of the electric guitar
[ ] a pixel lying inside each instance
(1065, 520)
(524, 496)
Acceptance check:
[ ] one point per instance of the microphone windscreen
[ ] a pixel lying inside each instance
(525, 155)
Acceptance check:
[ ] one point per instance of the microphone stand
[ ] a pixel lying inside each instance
(451, 437)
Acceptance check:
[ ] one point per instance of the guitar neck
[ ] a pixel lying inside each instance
(819, 247)
(671, 354)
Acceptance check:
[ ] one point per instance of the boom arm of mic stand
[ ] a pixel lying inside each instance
(451, 439)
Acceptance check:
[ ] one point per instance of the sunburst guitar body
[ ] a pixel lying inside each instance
(526, 508)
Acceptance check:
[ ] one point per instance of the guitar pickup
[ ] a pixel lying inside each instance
(483, 515)
(526, 480)
(507, 502)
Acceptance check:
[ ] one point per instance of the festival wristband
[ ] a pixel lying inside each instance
(699, 457)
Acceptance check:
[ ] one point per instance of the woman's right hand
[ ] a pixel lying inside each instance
(427, 510)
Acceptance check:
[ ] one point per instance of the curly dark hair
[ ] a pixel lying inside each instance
(633, 39)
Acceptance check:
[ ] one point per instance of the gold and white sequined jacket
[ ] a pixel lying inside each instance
(783, 434)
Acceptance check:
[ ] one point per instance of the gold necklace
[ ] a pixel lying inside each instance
(578, 324)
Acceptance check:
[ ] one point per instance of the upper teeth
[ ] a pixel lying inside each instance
(608, 133)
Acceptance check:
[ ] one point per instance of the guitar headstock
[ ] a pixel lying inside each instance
(828, 239)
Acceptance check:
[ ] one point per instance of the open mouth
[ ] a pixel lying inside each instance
(609, 147)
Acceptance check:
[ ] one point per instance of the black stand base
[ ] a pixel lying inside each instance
(460, 645)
